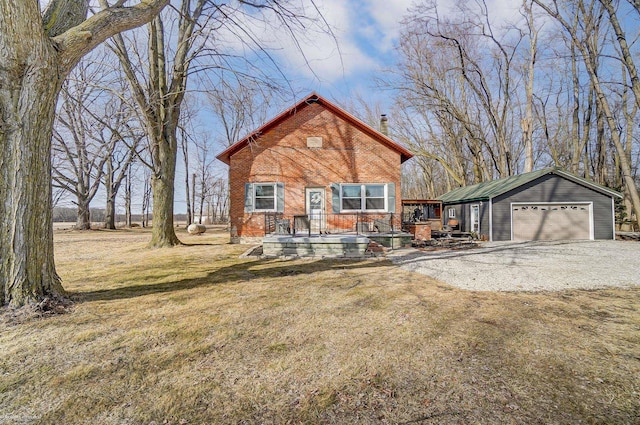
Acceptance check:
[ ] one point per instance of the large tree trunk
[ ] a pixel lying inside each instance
(110, 211)
(163, 234)
(161, 102)
(28, 94)
(83, 220)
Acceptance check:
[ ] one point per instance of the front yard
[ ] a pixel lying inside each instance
(196, 335)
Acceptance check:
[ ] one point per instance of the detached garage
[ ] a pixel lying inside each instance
(548, 204)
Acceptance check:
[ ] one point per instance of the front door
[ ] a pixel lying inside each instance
(315, 209)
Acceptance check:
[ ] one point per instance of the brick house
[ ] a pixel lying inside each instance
(314, 160)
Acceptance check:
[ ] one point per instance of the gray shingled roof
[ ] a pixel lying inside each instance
(488, 190)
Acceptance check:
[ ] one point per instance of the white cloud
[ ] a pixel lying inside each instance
(330, 58)
(314, 53)
(366, 32)
(500, 12)
(504, 11)
(387, 16)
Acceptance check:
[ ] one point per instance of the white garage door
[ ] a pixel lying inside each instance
(551, 221)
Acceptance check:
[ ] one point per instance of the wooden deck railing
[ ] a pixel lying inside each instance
(328, 223)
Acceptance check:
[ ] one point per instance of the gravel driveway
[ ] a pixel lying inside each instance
(529, 266)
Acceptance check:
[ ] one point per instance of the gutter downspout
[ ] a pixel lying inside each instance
(613, 218)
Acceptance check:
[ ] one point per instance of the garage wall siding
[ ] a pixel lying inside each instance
(552, 188)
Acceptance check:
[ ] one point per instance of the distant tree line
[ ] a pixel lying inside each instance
(69, 215)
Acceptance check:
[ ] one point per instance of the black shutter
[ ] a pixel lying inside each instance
(280, 197)
(335, 198)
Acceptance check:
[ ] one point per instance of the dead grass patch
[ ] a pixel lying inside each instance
(194, 335)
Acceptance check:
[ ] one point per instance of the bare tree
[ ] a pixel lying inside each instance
(204, 174)
(36, 55)
(146, 197)
(527, 119)
(456, 96)
(184, 144)
(625, 53)
(118, 165)
(240, 105)
(218, 200)
(160, 101)
(185, 129)
(79, 149)
(127, 198)
(94, 141)
(575, 107)
(582, 37)
(122, 137)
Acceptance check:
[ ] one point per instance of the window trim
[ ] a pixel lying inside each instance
(274, 197)
(363, 198)
(451, 212)
(471, 214)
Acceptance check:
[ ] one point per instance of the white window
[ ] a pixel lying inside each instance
(363, 197)
(264, 196)
(452, 213)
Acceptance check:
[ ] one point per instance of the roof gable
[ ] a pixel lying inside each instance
(488, 190)
(225, 156)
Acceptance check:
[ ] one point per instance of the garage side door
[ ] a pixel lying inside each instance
(551, 222)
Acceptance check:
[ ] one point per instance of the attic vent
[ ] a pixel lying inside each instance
(314, 142)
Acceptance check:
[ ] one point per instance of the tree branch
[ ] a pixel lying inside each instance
(77, 41)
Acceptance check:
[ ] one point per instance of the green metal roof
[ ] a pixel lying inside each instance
(487, 190)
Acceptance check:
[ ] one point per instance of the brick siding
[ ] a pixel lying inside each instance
(281, 154)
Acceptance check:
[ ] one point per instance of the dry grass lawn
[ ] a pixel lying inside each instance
(196, 335)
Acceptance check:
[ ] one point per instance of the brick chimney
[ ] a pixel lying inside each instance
(384, 124)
